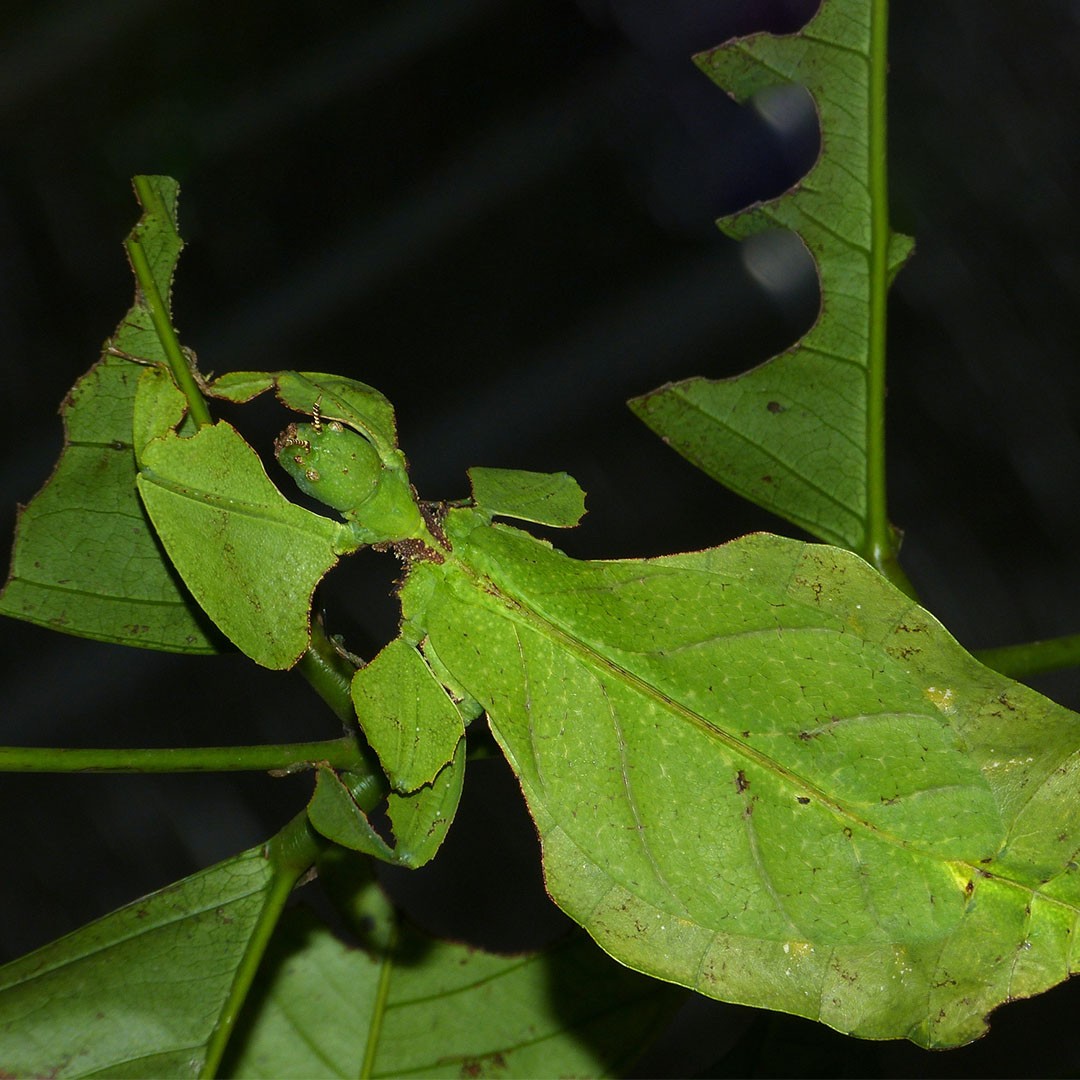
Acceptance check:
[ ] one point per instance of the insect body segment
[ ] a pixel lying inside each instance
(330, 463)
(340, 468)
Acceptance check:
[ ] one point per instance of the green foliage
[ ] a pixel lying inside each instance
(763, 772)
(86, 559)
(212, 488)
(422, 1007)
(801, 435)
(760, 771)
(142, 991)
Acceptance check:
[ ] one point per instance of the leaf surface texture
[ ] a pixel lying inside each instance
(762, 772)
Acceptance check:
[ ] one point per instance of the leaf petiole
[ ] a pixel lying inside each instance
(1032, 657)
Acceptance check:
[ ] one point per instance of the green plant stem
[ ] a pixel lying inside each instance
(880, 543)
(291, 853)
(343, 753)
(378, 1009)
(159, 312)
(329, 673)
(1033, 657)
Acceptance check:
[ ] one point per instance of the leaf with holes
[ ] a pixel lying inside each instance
(800, 435)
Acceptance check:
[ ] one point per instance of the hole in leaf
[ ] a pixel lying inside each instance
(781, 266)
(791, 117)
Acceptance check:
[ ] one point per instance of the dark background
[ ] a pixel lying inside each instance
(499, 212)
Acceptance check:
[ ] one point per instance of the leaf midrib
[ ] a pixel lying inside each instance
(523, 612)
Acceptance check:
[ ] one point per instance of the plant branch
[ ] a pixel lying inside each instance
(156, 305)
(1032, 657)
(881, 541)
(291, 853)
(343, 753)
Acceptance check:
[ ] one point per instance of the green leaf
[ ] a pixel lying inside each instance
(544, 498)
(406, 716)
(158, 237)
(159, 407)
(250, 557)
(85, 559)
(762, 772)
(142, 991)
(354, 403)
(429, 1008)
(802, 435)
(241, 386)
(419, 819)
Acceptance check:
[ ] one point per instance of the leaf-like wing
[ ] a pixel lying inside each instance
(338, 398)
(762, 772)
(794, 435)
(545, 498)
(140, 992)
(354, 403)
(419, 819)
(430, 1008)
(86, 560)
(249, 556)
(407, 717)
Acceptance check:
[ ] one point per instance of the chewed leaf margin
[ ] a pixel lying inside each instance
(85, 559)
(799, 434)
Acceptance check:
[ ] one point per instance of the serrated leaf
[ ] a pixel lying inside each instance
(762, 772)
(795, 434)
(430, 1008)
(159, 238)
(249, 556)
(406, 716)
(544, 498)
(140, 992)
(85, 559)
(419, 819)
